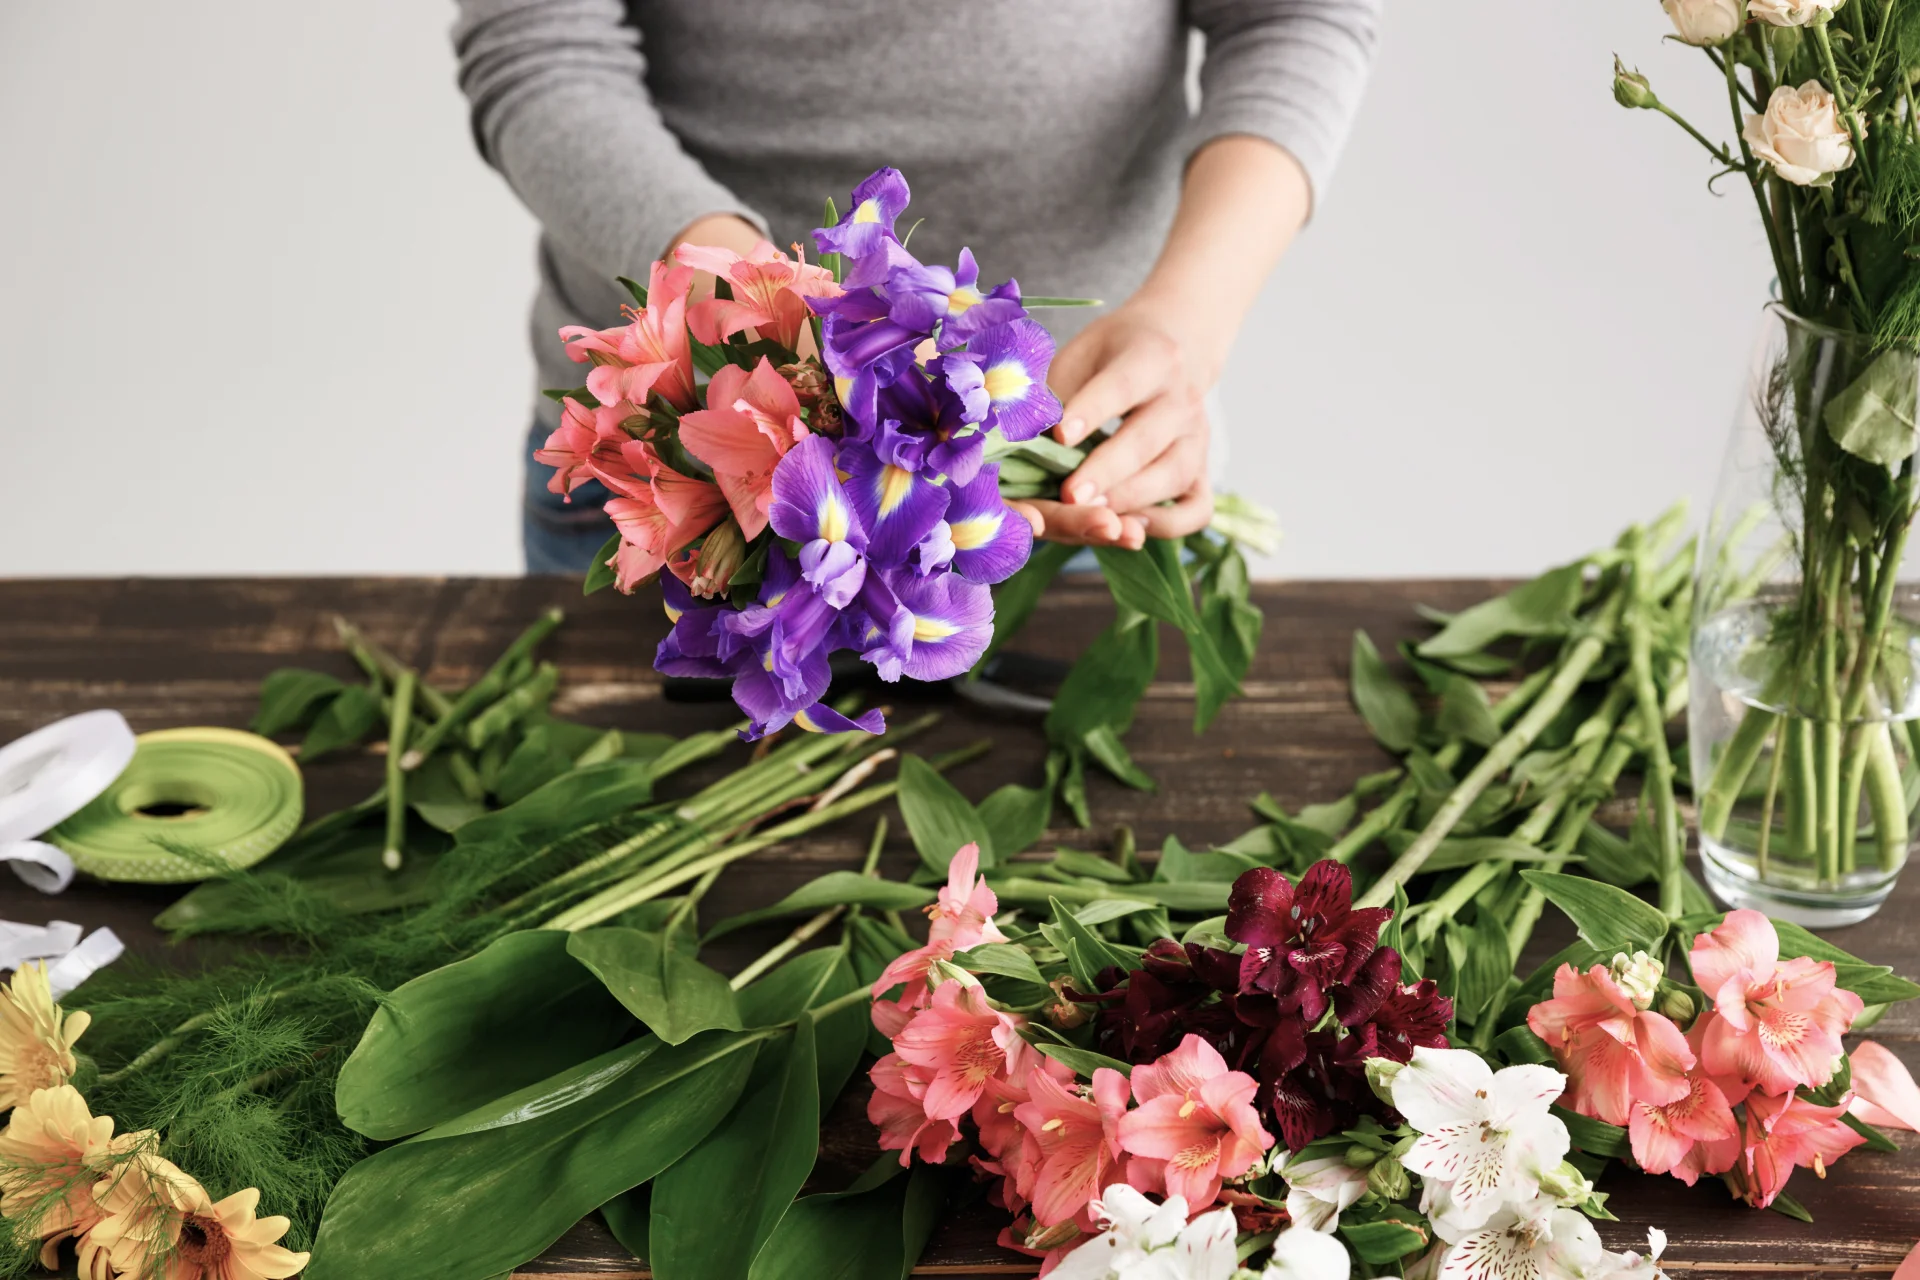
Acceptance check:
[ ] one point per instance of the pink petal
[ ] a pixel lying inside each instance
(1885, 1088)
(1745, 940)
(1910, 1269)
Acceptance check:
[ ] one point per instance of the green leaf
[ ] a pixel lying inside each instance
(468, 1032)
(1228, 614)
(1874, 417)
(1104, 745)
(939, 817)
(1072, 862)
(628, 1216)
(675, 995)
(1609, 918)
(1086, 951)
(1383, 1241)
(536, 761)
(1787, 1207)
(1138, 581)
(565, 805)
(1616, 861)
(1873, 983)
(1876, 1140)
(1596, 1137)
(834, 889)
(1456, 852)
(1488, 964)
(715, 1206)
(1466, 713)
(843, 1235)
(1016, 818)
(433, 792)
(1015, 599)
(1083, 1061)
(1104, 685)
(1383, 702)
(1542, 607)
(350, 716)
(1004, 958)
(480, 1199)
(600, 574)
(634, 287)
(290, 697)
(1520, 1045)
(1031, 303)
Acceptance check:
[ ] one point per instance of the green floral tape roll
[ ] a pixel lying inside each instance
(192, 802)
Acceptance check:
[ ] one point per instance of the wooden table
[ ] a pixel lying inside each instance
(182, 652)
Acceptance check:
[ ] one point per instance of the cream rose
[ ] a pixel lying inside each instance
(1801, 135)
(1792, 13)
(1705, 22)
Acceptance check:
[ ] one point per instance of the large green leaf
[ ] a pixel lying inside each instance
(1873, 983)
(1087, 952)
(1541, 607)
(1106, 682)
(938, 817)
(1609, 918)
(568, 803)
(834, 889)
(807, 981)
(463, 1200)
(1383, 702)
(1874, 417)
(1016, 817)
(714, 1207)
(290, 697)
(673, 993)
(473, 1030)
(350, 716)
(874, 1230)
(1595, 1137)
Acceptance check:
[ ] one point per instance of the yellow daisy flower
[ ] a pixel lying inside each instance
(52, 1152)
(36, 1043)
(161, 1224)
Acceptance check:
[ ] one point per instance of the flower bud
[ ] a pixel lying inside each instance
(1567, 1185)
(947, 971)
(1064, 1013)
(1049, 1238)
(1794, 13)
(1630, 88)
(718, 560)
(1388, 1179)
(1677, 1004)
(1706, 22)
(1380, 1074)
(1360, 1157)
(1639, 976)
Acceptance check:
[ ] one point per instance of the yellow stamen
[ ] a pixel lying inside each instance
(1819, 1166)
(1052, 1124)
(1187, 1108)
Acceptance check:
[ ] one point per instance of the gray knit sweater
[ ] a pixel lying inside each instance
(1049, 135)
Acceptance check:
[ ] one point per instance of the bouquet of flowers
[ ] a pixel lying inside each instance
(816, 459)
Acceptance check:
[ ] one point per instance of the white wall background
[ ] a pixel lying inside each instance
(262, 307)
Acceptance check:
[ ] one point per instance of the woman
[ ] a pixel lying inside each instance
(1053, 137)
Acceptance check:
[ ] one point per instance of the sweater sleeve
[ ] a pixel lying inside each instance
(1289, 71)
(559, 106)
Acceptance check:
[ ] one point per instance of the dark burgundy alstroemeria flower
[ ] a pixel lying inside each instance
(1302, 940)
(1411, 1017)
(1301, 1087)
(1357, 1001)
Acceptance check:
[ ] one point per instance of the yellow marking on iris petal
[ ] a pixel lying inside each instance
(833, 520)
(773, 601)
(963, 299)
(866, 211)
(842, 388)
(970, 535)
(932, 629)
(895, 484)
(805, 721)
(673, 614)
(1006, 381)
(766, 663)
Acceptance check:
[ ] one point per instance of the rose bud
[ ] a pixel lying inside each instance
(1706, 22)
(1631, 89)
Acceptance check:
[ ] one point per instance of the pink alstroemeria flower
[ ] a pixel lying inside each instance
(1698, 1134)
(1613, 1051)
(897, 1108)
(1776, 1024)
(961, 918)
(1884, 1092)
(769, 293)
(962, 1042)
(1785, 1132)
(647, 354)
(1195, 1125)
(585, 436)
(659, 510)
(1010, 1156)
(751, 421)
(1075, 1141)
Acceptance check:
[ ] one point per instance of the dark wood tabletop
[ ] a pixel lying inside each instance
(176, 652)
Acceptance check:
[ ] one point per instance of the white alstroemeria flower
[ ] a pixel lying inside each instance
(1318, 1190)
(1149, 1241)
(1299, 1254)
(1486, 1137)
(1539, 1241)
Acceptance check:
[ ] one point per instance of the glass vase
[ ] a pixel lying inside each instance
(1804, 713)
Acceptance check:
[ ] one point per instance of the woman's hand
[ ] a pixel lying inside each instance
(1152, 360)
(1136, 366)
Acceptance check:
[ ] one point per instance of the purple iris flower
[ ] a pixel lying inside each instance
(1001, 377)
(924, 297)
(809, 503)
(897, 507)
(933, 552)
(925, 408)
(865, 227)
(952, 623)
(990, 539)
(864, 350)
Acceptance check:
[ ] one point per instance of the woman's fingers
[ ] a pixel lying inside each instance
(1168, 476)
(1030, 514)
(1077, 526)
(1130, 376)
(1074, 364)
(1192, 513)
(1144, 436)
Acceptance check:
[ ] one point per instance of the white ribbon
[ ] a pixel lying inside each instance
(73, 960)
(41, 865)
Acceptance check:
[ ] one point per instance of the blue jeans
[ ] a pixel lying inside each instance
(557, 536)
